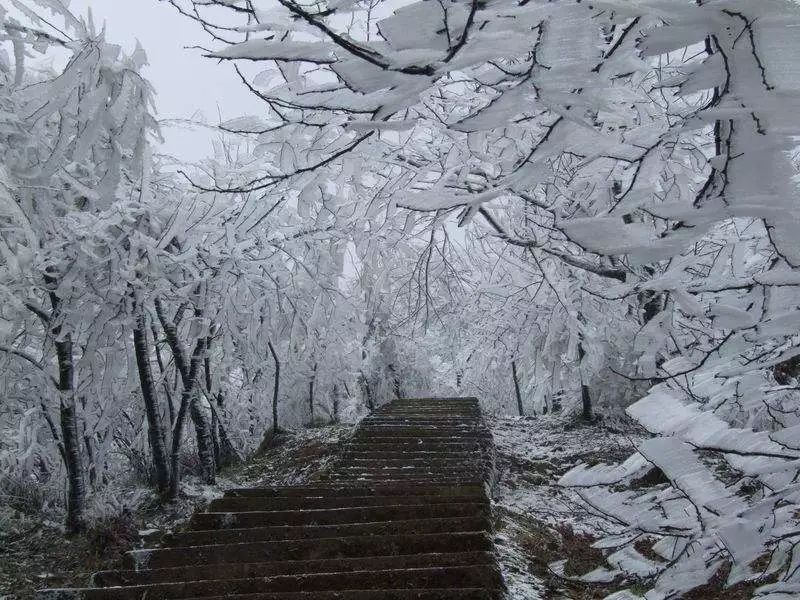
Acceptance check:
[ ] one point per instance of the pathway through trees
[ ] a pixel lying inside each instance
(402, 514)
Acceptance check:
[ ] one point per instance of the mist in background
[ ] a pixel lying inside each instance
(187, 85)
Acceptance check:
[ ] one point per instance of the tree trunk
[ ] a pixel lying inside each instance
(73, 458)
(311, 393)
(335, 400)
(586, 399)
(520, 408)
(155, 426)
(276, 388)
(190, 399)
(227, 452)
(205, 438)
(398, 392)
(367, 391)
(164, 383)
(177, 435)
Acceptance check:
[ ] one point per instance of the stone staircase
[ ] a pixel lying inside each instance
(402, 515)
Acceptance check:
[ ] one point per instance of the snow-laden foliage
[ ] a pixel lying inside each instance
(148, 325)
(585, 206)
(624, 175)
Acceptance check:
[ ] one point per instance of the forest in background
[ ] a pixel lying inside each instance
(587, 207)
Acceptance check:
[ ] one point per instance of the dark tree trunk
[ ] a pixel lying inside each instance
(164, 383)
(70, 436)
(398, 392)
(276, 387)
(224, 452)
(205, 438)
(188, 400)
(520, 408)
(311, 393)
(155, 426)
(175, 455)
(335, 401)
(586, 399)
(367, 391)
(214, 418)
(227, 452)
(70, 444)
(215, 439)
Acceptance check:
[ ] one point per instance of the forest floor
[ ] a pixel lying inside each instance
(537, 522)
(34, 553)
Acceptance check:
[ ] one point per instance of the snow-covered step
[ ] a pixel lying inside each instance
(288, 567)
(401, 515)
(424, 577)
(362, 514)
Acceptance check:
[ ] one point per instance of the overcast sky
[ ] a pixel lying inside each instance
(187, 84)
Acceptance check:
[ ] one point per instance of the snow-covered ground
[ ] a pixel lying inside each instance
(539, 523)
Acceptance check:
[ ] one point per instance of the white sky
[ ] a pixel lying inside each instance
(187, 85)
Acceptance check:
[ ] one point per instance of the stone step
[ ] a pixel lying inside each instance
(417, 418)
(422, 405)
(436, 434)
(421, 420)
(485, 576)
(363, 479)
(417, 442)
(232, 520)
(328, 491)
(418, 432)
(443, 402)
(294, 532)
(233, 504)
(434, 594)
(399, 474)
(409, 461)
(288, 567)
(414, 445)
(439, 430)
(425, 465)
(417, 402)
(466, 411)
(349, 547)
(402, 514)
(429, 450)
(410, 454)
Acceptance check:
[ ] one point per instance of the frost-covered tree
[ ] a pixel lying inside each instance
(136, 305)
(641, 156)
(71, 142)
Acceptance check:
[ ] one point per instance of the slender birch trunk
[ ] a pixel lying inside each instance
(276, 387)
(586, 399)
(190, 401)
(514, 373)
(70, 436)
(335, 400)
(155, 426)
(311, 393)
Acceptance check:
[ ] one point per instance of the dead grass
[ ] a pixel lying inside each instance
(715, 590)
(46, 558)
(544, 544)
